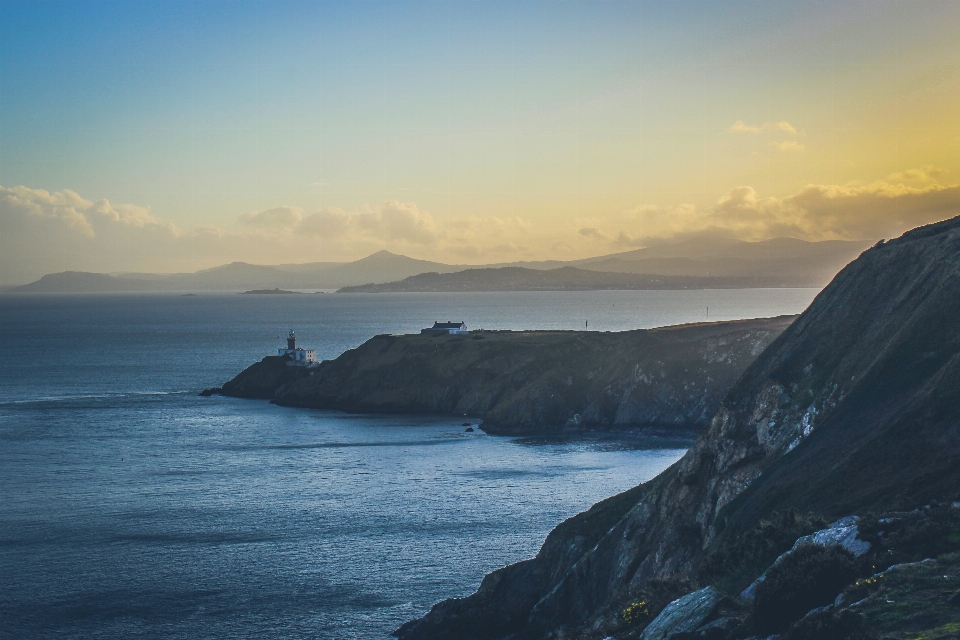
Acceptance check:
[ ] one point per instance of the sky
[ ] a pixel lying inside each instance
(174, 136)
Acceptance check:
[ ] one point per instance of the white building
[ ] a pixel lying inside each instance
(455, 328)
(300, 356)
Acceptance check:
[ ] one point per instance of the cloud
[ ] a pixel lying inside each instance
(593, 233)
(855, 211)
(783, 126)
(788, 146)
(741, 127)
(401, 221)
(66, 207)
(390, 221)
(928, 173)
(276, 218)
(330, 222)
(43, 232)
(820, 212)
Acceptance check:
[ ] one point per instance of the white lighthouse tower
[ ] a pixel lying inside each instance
(300, 356)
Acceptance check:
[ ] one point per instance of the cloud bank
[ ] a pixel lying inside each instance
(43, 232)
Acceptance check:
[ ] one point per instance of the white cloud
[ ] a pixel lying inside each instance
(401, 221)
(42, 231)
(276, 218)
(928, 173)
(788, 146)
(391, 221)
(783, 126)
(741, 127)
(816, 212)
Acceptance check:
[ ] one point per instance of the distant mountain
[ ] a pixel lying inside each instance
(382, 266)
(80, 282)
(562, 279)
(781, 262)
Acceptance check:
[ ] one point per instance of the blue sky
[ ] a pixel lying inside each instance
(504, 127)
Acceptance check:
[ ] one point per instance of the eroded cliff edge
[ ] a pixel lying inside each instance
(854, 409)
(530, 382)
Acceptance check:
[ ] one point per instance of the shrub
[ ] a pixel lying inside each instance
(736, 564)
(636, 611)
(809, 577)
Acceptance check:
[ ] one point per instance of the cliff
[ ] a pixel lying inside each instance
(854, 409)
(530, 382)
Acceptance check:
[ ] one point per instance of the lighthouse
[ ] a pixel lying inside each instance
(300, 356)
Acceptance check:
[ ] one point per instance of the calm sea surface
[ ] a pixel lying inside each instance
(130, 507)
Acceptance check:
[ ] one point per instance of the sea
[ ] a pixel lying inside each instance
(132, 508)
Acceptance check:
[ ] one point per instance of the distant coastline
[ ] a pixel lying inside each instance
(780, 262)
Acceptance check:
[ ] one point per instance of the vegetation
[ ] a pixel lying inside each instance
(733, 567)
(811, 576)
(636, 611)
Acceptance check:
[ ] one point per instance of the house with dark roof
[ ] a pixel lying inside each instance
(449, 327)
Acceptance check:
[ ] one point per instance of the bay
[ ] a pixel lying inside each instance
(130, 507)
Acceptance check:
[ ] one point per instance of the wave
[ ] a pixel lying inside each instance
(91, 396)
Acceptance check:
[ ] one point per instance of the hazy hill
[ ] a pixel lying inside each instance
(382, 266)
(562, 279)
(853, 410)
(781, 262)
(772, 263)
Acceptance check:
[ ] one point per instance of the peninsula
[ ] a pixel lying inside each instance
(669, 380)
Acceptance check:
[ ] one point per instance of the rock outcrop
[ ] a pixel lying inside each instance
(531, 382)
(854, 408)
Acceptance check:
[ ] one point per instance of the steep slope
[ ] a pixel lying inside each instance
(531, 382)
(855, 407)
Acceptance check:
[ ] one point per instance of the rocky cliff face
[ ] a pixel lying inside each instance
(531, 382)
(855, 407)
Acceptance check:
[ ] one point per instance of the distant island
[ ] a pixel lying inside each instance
(716, 262)
(268, 292)
(667, 381)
